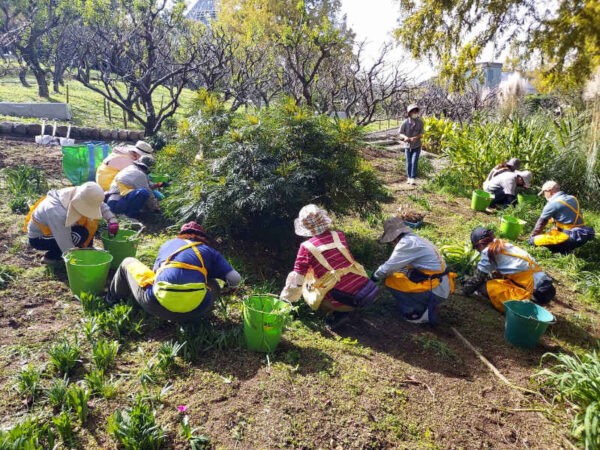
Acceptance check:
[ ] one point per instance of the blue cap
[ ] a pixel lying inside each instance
(479, 233)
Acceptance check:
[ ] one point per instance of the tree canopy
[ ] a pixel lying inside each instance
(562, 37)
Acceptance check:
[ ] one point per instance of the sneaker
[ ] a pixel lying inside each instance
(409, 181)
(490, 210)
(415, 318)
(336, 320)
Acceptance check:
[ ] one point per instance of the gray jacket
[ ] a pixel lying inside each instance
(410, 128)
(131, 177)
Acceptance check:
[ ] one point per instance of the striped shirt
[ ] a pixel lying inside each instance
(350, 283)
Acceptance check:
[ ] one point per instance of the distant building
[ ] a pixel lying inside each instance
(493, 76)
(203, 10)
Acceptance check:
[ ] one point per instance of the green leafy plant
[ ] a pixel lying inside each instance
(589, 284)
(576, 380)
(118, 321)
(64, 427)
(92, 304)
(29, 382)
(196, 442)
(461, 259)
(64, 355)
(135, 428)
(104, 353)
(91, 328)
(8, 274)
(18, 205)
(25, 181)
(57, 392)
(31, 434)
(77, 400)
(201, 338)
(99, 385)
(167, 354)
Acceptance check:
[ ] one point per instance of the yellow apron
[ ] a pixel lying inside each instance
(516, 286)
(555, 235)
(90, 225)
(315, 289)
(105, 175)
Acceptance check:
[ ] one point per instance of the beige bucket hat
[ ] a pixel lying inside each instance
(549, 186)
(392, 228)
(85, 202)
(144, 146)
(311, 221)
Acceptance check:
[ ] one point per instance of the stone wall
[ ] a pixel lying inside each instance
(77, 133)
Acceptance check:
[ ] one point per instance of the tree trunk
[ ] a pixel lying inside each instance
(30, 57)
(23, 77)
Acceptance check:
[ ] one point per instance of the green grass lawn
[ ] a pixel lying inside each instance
(88, 106)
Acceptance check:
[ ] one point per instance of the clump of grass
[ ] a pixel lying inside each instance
(440, 348)
(104, 353)
(99, 385)
(576, 380)
(64, 355)
(57, 393)
(29, 434)
(91, 329)
(421, 201)
(201, 338)
(8, 274)
(77, 400)
(589, 284)
(92, 304)
(167, 353)
(25, 181)
(65, 429)
(119, 322)
(136, 428)
(29, 383)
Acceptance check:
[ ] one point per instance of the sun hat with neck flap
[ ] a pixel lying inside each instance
(311, 221)
(85, 202)
(392, 228)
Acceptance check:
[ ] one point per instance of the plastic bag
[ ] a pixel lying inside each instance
(81, 161)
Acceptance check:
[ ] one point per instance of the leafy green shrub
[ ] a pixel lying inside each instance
(18, 205)
(29, 382)
(99, 385)
(31, 434)
(577, 380)
(104, 353)
(260, 170)
(57, 393)
(136, 428)
(77, 400)
(64, 427)
(64, 355)
(25, 181)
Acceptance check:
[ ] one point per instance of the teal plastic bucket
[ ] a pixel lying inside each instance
(480, 200)
(511, 227)
(265, 317)
(525, 323)
(529, 199)
(87, 270)
(121, 246)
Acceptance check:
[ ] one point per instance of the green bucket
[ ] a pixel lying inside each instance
(87, 269)
(480, 200)
(525, 323)
(121, 246)
(265, 316)
(529, 199)
(511, 227)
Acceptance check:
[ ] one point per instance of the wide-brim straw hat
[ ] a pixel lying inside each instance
(392, 228)
(86, 202)
(311, 221)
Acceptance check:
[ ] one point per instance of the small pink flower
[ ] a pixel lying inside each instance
(182, 408)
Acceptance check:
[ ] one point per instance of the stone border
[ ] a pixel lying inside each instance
(81, 133)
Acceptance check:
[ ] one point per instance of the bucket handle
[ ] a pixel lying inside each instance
(136, 235)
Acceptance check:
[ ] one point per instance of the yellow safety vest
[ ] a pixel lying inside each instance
(515, 286)
(105, 175)
(89, 224)
(315, 289)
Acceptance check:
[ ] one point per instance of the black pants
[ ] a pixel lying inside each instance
(502, 200)
(79, 235)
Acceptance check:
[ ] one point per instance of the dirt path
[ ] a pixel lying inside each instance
(379, 384)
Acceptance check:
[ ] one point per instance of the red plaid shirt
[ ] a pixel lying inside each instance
(350, 283)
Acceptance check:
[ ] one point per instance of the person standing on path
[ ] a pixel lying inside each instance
(411, 131)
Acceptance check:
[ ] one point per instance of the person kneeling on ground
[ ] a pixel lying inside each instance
(506, 272)
(504, 187)
(182, 287)
(120, 158)
(67, 218)
(508, 166)
(130, 191)
(325, 272)
(416, 273)
(569, 231)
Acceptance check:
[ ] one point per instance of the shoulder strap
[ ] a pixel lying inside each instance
(317, 254)
(167, 263)
(532, 264)
(576, 211)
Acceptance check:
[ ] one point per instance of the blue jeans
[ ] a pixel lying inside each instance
(412, 161)
(416, 303)
(131, 204)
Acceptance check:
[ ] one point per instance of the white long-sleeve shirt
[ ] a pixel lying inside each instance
(419, 253)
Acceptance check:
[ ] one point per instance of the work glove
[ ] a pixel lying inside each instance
(113, 228)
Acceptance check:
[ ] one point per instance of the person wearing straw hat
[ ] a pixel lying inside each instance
(506, 272)
(121, 157)
(508, 166)
(130, 191)
(569, 231)
(504, 187)
(325, 272)
(67, 218)
(182, 285)
(411, 131)
(415, 273)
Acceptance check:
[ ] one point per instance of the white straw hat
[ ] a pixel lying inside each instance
(85, 202)
(311, 221)
(144, 146)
